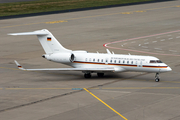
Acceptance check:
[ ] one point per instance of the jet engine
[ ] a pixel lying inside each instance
(60, 57)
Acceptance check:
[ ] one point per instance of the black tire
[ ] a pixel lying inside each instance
(87, 75)
(157, 79)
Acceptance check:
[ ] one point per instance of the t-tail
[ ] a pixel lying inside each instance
(47, 40)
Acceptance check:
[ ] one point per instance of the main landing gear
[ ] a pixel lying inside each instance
(88, 75)
(100, 74)
(157, 79)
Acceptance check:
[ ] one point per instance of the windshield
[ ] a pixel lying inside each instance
(155, 61)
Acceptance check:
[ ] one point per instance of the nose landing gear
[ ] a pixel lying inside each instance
(157, 79)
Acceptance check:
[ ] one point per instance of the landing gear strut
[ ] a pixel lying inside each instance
(87, 75)
(157, 79)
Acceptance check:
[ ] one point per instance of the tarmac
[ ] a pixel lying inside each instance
(147, 29)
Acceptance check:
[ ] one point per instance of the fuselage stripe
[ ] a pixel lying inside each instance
(126, 65)
(155, 66)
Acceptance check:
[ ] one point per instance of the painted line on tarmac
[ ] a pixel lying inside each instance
(105, 104)
(129, 88)
(37, 88)
(106, 44)
(59, 21)
(9, 68)
(21, 25)
(66, 20)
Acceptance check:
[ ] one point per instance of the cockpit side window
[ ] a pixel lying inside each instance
(158, 61)
(155, 61)
(152, 61)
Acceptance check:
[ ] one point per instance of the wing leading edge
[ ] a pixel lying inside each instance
(107, 69)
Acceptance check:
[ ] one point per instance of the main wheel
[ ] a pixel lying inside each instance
(87, 75)
(100, 74)
(157, 79)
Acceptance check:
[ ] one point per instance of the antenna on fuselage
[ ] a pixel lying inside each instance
(108, 52)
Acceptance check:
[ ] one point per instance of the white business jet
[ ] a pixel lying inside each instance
(93, 62)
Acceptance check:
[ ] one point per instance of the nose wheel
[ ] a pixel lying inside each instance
(157, 79)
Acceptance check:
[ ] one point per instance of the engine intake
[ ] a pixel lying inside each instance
(72, 58)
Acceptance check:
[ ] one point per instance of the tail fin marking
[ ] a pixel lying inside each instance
(47, 40)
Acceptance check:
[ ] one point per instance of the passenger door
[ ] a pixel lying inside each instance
(139, 63)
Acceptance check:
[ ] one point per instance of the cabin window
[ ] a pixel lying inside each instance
(127, 62)
(114, 61)
(131, 62)
(111, 61)
(119, 61)
(90, 59)
(102, 60)
(86, 59)
(123, 61)
(98, 60)
(93, 59)
(106, 60)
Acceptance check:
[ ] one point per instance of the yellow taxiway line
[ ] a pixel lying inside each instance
(9, 68)
(105, 104)
(37, 88)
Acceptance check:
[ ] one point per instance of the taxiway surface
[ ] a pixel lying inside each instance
(146, 29)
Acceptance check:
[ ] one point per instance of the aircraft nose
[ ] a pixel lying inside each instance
(169, 69)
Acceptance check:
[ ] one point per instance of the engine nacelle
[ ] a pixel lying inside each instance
(60, 57)
(79, 51)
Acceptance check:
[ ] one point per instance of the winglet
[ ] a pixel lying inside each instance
(19, 66)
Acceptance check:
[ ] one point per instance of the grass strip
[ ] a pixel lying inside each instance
(20, 8)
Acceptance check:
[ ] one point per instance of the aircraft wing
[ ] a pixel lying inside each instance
(108, 69)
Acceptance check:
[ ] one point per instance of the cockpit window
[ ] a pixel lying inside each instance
(152, 61)
(155, 61)
(158, 61)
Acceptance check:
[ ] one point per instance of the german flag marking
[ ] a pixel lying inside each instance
(48, 39)
(126, 65)
(19, 66)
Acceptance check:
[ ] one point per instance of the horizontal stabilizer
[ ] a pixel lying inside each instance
(19, 66)
(39, 32)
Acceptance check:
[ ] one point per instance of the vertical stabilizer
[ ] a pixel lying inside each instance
(47, 40)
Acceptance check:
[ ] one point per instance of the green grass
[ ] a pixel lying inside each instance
(7, 9)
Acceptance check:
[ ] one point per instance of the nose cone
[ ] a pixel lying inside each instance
(169, 69)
